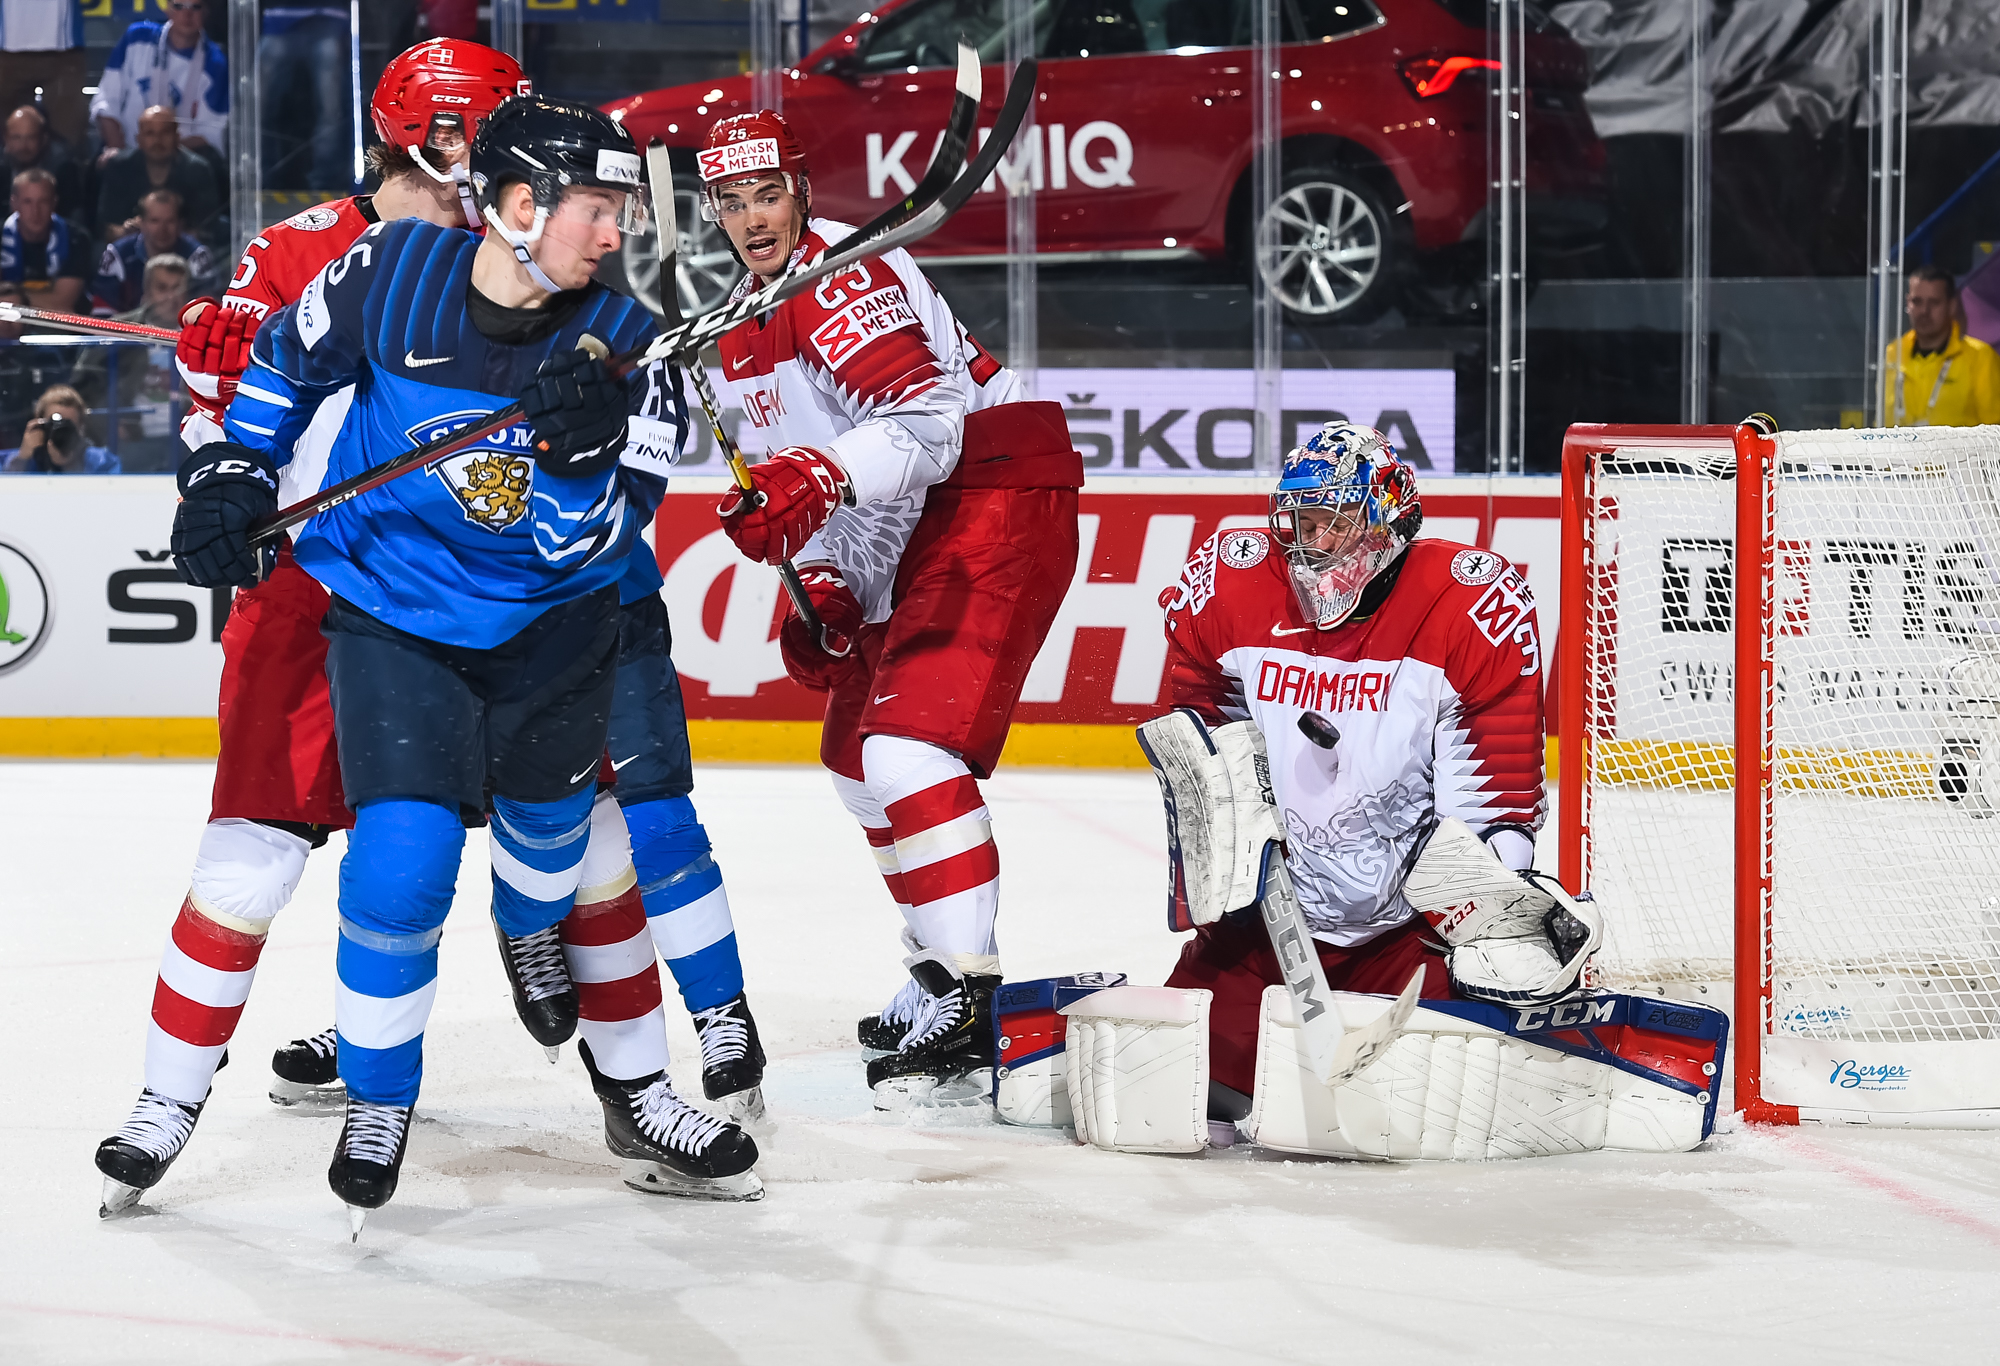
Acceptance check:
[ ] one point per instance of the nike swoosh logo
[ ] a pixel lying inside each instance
(579, 777)
(617, 764)
(881, 700)
(411, 362)
(1289, 630)
(734, 367)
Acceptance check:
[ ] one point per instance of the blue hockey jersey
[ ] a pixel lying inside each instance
(472, 548)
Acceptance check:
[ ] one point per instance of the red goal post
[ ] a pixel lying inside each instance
(1845, 906)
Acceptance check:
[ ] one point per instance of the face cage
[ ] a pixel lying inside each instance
(794, 186)
(1328, 583)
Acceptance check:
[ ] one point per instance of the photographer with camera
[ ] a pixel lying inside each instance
(54, 442)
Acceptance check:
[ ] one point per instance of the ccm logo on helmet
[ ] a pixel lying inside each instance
(738, 158)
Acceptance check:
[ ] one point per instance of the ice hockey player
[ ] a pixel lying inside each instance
(474, 608)
(1416, 669)
(932, 513)
(278, 754)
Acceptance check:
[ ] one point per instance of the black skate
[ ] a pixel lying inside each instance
(884, 1033)
(369, 1158)
(665, 1146)
(732, 1058)
(305, 1073)
(544, 996)
(135, 1158)
(947, 1059)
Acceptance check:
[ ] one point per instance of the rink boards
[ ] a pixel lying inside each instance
(118, 657)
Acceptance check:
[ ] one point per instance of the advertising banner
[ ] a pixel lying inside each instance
(104, 650)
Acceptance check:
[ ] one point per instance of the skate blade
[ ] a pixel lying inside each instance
(553, 1052)
(746, 1110)
(898, 1095)
(652, 1178)
(307, 1099)
(356, 1217)
(118, 1197)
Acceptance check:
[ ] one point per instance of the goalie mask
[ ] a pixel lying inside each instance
(1345, 508)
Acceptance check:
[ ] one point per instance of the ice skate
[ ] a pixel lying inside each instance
(135, 1158)
(947, 1057)
(884, 1033)
(732, 1059)
(665, 1146)
(305, 1075)
(369, 1158)
(544, 996)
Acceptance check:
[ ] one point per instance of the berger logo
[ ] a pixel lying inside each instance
(1802, 1019)
(493, 480)
(1850, 1075)
(24, 608)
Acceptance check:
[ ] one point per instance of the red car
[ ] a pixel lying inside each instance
(1142, 143)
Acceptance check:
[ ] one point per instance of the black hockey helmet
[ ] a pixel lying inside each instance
(553, 145)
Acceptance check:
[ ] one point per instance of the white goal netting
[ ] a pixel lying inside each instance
(1884, 845)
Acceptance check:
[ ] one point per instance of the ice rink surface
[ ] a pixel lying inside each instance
(881, 1239)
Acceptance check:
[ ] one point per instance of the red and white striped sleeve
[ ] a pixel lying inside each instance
(1489, 740)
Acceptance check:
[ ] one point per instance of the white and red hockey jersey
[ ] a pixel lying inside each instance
(274, 271)
(872, 367)
(1436, 696)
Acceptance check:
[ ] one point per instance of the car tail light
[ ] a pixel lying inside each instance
(1430, 76)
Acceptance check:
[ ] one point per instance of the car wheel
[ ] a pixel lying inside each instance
(705, 270)
(1326, 248)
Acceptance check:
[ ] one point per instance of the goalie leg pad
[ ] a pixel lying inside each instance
(1138, 1069)
(1031, 1084)
(1473, 1082)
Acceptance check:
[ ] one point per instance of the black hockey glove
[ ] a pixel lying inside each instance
(224, 488)
(577, 412)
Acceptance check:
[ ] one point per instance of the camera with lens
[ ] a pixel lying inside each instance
(61, 436)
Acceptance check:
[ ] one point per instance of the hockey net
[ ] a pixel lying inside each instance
(1844, 901)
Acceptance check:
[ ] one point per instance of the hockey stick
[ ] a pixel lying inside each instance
(88, 326)
(1337, 1053)
(690, 337)
(660, 174)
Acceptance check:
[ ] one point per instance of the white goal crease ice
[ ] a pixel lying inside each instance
(1848, 900)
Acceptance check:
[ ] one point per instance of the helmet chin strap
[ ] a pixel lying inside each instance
(521, 241)
(461, 180)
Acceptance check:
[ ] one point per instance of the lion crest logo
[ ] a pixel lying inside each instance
(492, 488)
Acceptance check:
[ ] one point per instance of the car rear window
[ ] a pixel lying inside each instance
(926, 35)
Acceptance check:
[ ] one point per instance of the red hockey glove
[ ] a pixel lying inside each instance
(806, 662)
(796, 490)
(213, 353)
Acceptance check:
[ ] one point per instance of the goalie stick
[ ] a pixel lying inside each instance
(688, 339)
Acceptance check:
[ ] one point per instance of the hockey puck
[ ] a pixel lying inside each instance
(1318, 729)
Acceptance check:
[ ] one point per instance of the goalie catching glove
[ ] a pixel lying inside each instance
(1512, 938)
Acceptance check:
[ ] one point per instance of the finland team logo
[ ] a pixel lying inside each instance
(1474, 567)
(492, 481)
(1244, 549)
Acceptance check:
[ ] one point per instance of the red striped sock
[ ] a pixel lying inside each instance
(609, 950)
(950, 868)
(205, 976)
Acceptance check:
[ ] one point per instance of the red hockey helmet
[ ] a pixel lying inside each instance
(440, 84)
(749, 146)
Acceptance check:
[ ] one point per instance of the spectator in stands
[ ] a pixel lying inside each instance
(158, 162)
(149, 398)
(302, 62)
(41, 47)
(55, 443)
(116, 286)
(48, 256)
(172, 65)
(1935, 375)
(28, 143)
